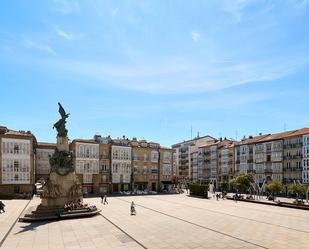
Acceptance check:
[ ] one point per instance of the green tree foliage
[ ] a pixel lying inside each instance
(274, 187)
(242, 181)
(298, 189)
(224, 186)
(199, 190)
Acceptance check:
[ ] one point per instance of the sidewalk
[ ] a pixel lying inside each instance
(12, 209)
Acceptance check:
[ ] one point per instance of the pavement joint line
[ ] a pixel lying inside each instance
(233, 215)
(139, 243)
(8, 232)
(198, 225)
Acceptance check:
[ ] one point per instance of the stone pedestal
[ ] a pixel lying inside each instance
(63, 143)
(61, 190)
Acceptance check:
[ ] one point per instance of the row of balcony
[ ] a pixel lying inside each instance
(293, 145)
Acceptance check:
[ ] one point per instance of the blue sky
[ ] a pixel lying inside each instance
(152, 69)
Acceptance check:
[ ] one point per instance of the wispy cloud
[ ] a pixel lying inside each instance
(235, 7)
(62, 33)
(66, 6)
(38, 46)
(173, 77)
(195, 35)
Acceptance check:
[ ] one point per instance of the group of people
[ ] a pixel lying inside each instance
(2, 207)
(75, 205)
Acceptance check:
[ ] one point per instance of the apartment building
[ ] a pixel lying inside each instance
(42, 166)
(121, 163)
(166, 168)
(293, 156)
(305, 159)
(16, 162)
(105, 182)
(145, 163)
(207, 162)
(186, 157)
(245, 152)
(86, 162)
(269, 157)
(226, 159)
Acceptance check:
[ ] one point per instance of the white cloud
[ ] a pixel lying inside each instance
(173, 77)
(235, 7)
(66, 6)
(195, 36)
(63, 34)
(42, 47)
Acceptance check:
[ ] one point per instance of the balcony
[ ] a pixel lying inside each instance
(297, 145)
(250, 161)
(287, 146)
(268, 171)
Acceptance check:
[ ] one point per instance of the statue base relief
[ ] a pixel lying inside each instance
(61, 190)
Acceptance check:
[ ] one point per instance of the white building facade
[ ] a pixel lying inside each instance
(16, 164)
(87, 164)
(121, 167)
(305, 159)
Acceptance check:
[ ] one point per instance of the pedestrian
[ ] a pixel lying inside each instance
(217, 195)
(133, 211)
(105, 199)
(101, 198)
(2, 207)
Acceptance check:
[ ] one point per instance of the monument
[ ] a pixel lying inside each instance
(62, 195)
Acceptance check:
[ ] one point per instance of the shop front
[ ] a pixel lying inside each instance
(87, 188)
(140, 185)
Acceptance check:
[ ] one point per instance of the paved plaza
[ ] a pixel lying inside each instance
(162, 221)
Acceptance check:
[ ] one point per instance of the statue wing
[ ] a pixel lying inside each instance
(61, 110)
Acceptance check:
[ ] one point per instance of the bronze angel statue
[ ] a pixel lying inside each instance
(60, 124)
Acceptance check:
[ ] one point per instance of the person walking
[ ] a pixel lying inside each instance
(105, 200)
(133, 211)
(2, 207)
(217, 195)
(102, 198)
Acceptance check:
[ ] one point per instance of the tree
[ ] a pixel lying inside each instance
(224, 186)
(298, 189)
(274, 187)
(242, 181)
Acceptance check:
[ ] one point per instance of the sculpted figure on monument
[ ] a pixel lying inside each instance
(60, 124)
(75, 190)
(50, 189)
(61, 162)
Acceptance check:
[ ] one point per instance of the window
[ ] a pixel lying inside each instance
(16, 149)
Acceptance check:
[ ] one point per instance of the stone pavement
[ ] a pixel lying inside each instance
(12, 210)
(170, 221)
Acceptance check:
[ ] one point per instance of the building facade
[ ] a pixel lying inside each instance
(86, 162)
(121, 164)
(166, 169)
(16, 162)
(42, 166)
(187, 157)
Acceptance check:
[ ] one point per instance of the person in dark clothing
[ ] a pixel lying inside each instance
(102, 197)
(105, 200)
(217, 195)
(2, 207)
